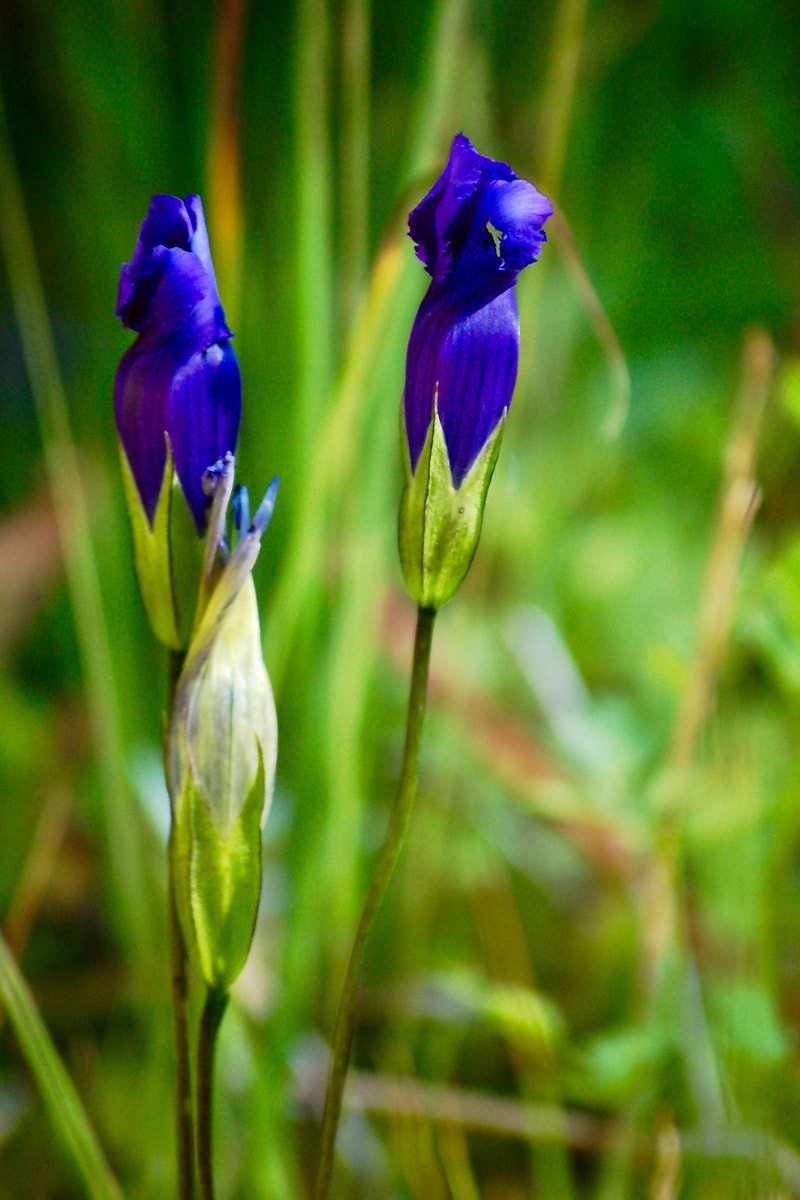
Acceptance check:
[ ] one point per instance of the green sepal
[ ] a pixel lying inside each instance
(168, 555)
(440, 525)
(186, 561)
(218, 880)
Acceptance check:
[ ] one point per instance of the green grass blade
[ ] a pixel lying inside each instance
(71, 508)
(355, 153)
(314, 254)
(58, 1092)
(335, 447)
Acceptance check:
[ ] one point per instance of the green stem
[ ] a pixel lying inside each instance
(58, 1091)
(213, 1012)
(398, 824)
(183, 1085)
(184, 1136)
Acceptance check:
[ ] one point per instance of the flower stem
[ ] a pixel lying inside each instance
(392, 846)
(213, 1012)
(183, 1093)
(180, 1002)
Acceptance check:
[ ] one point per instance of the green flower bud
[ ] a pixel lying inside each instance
(440, 524)
(221, 753)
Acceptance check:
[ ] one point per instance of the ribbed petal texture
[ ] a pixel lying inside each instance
(477, 228)
(180, 377)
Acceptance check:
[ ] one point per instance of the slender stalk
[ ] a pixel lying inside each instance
(398, 824)
(184, 1136)
(213, 1012)
(183, 1085)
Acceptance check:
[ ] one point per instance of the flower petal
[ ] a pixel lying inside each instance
(470, 365)
(180, 377)
(441, 221)
(203, 413)
(477, 228)
(198, 243)
(516, 212)
(167, 225)
(194, 396)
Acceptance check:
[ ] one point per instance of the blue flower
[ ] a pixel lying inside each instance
(180, 377)
(477, 228)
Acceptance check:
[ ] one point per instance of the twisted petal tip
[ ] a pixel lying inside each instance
(180, 377)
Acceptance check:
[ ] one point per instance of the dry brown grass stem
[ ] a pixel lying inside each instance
(599, 322)
(738, 505)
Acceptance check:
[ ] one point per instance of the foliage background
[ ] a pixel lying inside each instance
(589, 958)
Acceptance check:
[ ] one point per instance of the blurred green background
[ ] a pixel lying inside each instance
(586, 980)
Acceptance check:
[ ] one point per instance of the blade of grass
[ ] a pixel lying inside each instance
(335, 439)
(329, 463)
(438, 88)
(58, 1092)
(313, 251)
(559, 92)
(619, 375)
(223, 156)
(123, 831)
(354, 155)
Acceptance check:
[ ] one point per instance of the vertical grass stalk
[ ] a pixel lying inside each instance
(392, 846)
(123, 829)
(354, 156)
(224, 155)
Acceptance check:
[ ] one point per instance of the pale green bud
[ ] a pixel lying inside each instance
(221, 756)
(440, 524)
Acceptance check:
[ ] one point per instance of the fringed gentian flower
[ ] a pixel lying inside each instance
(477, 228)
(178, 403)
(222, 747)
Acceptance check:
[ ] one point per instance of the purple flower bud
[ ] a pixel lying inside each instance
(477, 228)
(180, 377)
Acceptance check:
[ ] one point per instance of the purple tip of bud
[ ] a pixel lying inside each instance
(180, 377)
(477, 228)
